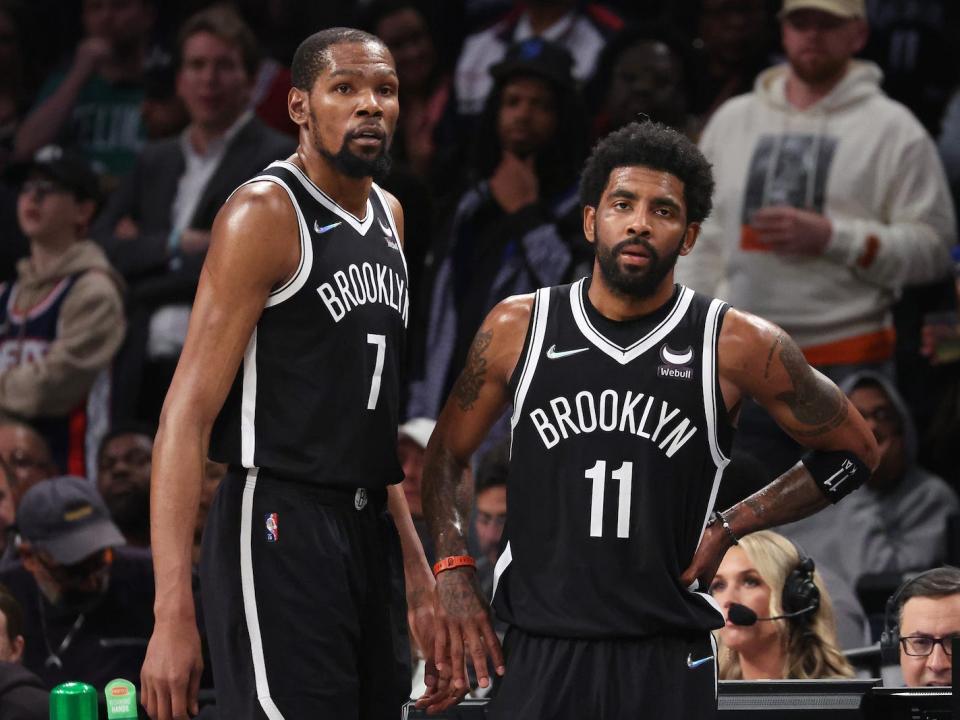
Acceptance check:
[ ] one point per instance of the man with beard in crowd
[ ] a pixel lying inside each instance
(87, 601)
(123, 479)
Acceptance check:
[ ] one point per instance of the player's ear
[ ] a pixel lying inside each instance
(298, 105)
(690, 238)
(589, 218)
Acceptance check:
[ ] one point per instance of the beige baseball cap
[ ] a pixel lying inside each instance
(840, 8)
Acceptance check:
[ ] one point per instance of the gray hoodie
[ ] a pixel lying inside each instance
(869, 532)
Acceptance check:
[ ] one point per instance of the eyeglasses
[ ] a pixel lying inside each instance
(42, 188)
(78, 572)
(922, 645)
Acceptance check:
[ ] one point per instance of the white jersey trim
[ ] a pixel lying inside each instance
(621, 354)
(299, 278)
(250, 599)
(711, 403)
(396, 234)
(248, 403)
(541, 305)
(361, 226)
(506, 557)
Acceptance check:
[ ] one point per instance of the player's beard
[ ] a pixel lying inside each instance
(355, 166)
(640, 282)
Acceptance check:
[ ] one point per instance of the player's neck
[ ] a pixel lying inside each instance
(617, 306)
(349, 193)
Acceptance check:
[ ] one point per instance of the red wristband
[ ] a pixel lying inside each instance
(454, 561)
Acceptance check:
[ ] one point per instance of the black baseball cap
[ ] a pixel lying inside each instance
(538, 57)
(63, 165)
(66, 517)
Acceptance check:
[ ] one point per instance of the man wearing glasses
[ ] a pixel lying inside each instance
(87, 600)
(929, 618)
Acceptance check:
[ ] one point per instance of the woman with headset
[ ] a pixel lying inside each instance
(780, 622)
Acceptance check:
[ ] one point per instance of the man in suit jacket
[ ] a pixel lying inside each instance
(156, 227)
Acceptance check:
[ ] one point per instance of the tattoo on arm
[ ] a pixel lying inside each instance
(792, 496)
(755, 503)
(776, 343)
(467, 388)
(447, 502)
(815, 402)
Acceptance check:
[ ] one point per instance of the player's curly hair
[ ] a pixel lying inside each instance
(313, 55)
(655, 146)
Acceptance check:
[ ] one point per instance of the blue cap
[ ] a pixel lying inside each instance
(66, 517)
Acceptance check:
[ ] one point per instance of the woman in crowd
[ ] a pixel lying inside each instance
(766, 574)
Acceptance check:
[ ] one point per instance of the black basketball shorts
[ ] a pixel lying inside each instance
(654, 678)
(304, 604)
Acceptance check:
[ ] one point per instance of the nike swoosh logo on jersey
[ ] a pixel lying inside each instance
(385, 228)
(676, 358)
(555, 354)
(691, 663)
(321, 230)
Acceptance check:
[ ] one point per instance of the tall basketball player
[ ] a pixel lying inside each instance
(291, 370)
(625, 389)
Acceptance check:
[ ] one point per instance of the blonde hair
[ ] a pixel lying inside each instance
(810, 648)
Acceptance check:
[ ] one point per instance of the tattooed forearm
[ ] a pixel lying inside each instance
(776, 343)
(755, 503)
(447, 501)
(792, 496)
(467, 388)
(816, 403)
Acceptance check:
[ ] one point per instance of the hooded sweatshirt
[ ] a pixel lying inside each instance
(48, 376)
(22, 696)
(856, 157)
(871, 532)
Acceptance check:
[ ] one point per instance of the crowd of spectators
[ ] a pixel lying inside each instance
(835, 216)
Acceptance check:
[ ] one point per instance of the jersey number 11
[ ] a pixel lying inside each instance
(598, 473)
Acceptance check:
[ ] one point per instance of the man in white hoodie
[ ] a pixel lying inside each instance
(830, 199)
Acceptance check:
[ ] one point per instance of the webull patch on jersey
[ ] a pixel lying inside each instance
(675, 363)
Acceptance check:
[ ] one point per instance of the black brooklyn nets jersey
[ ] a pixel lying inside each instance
(616, 458)
(316, 397)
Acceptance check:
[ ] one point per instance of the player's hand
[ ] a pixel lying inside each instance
(713, 546)
(791, 231)
(422, 620)
(170, 677)
(514, 183)
(464, 628)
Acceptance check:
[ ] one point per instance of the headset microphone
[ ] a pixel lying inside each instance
(744, 616)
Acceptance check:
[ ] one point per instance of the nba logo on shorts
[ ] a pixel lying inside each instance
(272, 521)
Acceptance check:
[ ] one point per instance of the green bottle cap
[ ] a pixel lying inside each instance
(73, 701)
(121, 700)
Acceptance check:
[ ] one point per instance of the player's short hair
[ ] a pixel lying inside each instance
(224, 23)
(313, 55)
(655, 146)
(937, 583)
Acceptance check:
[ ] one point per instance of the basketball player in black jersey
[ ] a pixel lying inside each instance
(290, 375)
(625, 390)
